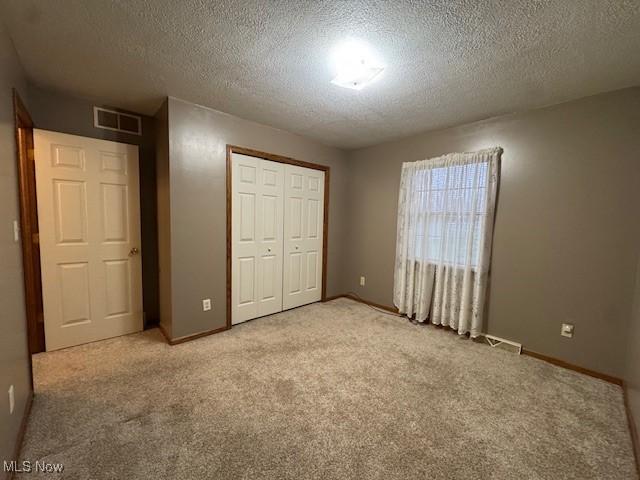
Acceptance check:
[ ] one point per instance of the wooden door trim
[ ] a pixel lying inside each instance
(28, 211)
(231, 149)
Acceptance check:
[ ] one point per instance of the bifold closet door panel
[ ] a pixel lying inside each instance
(303, 236)
(257, 237)
(270, 235)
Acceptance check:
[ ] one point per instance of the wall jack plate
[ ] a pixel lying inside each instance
(567, 330)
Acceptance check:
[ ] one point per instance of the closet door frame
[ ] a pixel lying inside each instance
(231, 149)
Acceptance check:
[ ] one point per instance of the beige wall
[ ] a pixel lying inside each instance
(567, 230)
(198, 138)
(14, 356)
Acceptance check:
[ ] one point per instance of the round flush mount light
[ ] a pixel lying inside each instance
(355, 65)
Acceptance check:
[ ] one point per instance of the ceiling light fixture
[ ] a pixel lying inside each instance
(355, 65)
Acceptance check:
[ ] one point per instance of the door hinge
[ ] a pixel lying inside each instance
(35, 238)
(30, 155)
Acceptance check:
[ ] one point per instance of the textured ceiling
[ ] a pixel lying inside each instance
(447, 62)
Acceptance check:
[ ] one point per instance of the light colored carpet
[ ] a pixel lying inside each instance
(327, 391)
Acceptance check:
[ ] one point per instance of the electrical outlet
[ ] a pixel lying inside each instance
(362, 279)
(206, 304)
(12, 400)
(567, 330)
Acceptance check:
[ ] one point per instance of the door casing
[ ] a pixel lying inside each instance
(231, 149)
(23, 125)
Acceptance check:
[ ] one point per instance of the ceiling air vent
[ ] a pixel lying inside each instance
(117, 121)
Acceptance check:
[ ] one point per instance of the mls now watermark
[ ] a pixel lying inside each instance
(33, 467)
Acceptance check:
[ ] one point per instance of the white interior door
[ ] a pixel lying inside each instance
(256, 236)
(89, 218)
(303, 227)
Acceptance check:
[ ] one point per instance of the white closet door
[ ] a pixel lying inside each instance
(257, 219)
(89, 218)
(303, 232)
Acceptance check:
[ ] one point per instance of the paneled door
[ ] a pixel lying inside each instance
(256, 236)
(89, 220)
(303, 236)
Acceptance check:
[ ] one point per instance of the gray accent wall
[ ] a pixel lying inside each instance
(198, 138)
(67, 114)
(14, 354)
(632, 377)
(164, 214)
(567, 231)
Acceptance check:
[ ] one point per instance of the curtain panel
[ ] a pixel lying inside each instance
(446, 211)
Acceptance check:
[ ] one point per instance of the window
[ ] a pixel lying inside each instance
(446, 208)
(451, 208)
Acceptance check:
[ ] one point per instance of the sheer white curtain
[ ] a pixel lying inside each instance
(446, 209)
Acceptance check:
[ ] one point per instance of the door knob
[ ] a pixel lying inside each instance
(296, 247)
(133, 251)
(268, 250)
